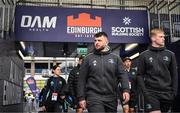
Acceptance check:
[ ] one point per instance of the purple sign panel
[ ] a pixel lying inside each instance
(32, 85)
(79, 24)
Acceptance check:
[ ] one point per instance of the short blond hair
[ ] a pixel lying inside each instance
(155, 31)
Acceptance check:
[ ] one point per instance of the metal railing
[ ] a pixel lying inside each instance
(7, 9)
(165, 14)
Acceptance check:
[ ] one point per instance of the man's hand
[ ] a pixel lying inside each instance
(125, 97)
(43, 108)
(82, 104)
(62, 97)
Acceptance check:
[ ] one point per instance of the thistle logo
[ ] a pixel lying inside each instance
(126, 20)
(127, 30)
(84, 25)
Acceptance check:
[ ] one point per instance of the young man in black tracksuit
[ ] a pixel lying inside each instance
(157, 74)
(129, 107)
(72, 84)
(99, 76)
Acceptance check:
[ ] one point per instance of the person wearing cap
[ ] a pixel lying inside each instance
(129, 107)
(157, 74)
(72, 85)
(99, 75)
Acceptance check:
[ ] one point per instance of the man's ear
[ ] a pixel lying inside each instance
(107, 42)
(152, 39)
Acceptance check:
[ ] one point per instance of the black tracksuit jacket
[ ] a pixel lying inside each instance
(73, 80)
(54, 85)
(99, 76)
(157, 72)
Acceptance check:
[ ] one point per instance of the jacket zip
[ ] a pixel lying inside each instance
(158, 68)
(102, 62)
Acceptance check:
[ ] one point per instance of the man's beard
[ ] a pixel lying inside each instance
(99, 49)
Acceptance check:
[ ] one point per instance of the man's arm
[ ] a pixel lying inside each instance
(63, 91)
(122, 76)
(70, 82)
(174, 74)
(140, 74)
(45, 94)
(82, 80)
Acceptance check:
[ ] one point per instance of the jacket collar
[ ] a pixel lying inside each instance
(156, 48)
(102, 53)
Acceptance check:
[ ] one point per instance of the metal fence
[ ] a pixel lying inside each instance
(7, 8)
(84, 3)
(165, 14)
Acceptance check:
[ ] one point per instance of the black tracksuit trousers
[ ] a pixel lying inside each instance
(100, 106)
(54, 107)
